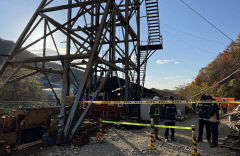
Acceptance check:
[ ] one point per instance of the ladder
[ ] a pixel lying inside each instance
(154, 37)
(152, 13)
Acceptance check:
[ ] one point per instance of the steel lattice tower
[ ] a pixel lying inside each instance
(102, 38)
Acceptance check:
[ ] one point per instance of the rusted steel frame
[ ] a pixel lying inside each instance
(44, 42)
(61, 116)
(148, 56)
(43, 70)
(55, 95)
(48, 3)
(89, 106)
(111, 64)
(107, 51)
(133, 50)
(138, 49)
(49, 58)
(31, 31)
(119, 84)
(135, 10)
(118, 41)
(59, 54)
(123, 21)
(64, 30)
(79, 4)
(115, 45)
(68, 46)
(10, 76)
(126, 49)
(130, 73)
(79, 96)
(78, 49)
(78, 63)
(133, 7)
(20, 39)
(107, 25)
(79, 12)
(22, 77)
(39, 39)
(54, 43)
(75, 79)
(81, 68)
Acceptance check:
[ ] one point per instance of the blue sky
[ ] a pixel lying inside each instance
(189, 42)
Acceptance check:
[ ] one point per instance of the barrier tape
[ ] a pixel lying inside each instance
(157, 102)
(142, 124)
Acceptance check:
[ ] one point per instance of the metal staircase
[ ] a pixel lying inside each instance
(154, 37)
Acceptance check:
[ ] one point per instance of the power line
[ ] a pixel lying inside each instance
(213, 86)
(214, 26)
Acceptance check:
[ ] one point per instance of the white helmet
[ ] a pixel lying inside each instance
(156, 98)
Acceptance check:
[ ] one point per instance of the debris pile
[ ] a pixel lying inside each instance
(232, 141)
(234, 118)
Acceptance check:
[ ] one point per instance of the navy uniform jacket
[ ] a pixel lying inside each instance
(169, 112)
(203, 109)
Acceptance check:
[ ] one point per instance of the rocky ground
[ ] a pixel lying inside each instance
(123, 141)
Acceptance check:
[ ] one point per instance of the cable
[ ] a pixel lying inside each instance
(214, 26)
(215, 84)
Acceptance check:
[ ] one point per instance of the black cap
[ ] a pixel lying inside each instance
(171, 98)
(203, 97)
(209, 97)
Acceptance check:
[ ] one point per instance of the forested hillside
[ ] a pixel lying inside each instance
(220, 75)
(28, 88)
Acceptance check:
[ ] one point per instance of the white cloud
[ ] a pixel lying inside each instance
(167, 61)
(163, 61)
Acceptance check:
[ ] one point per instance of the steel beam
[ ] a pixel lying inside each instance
(79, 96)
(48, 58)
(89, 106)
(22, 36)
(22, 77)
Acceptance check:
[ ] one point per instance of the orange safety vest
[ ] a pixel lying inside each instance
(224, 105)
(213, 118)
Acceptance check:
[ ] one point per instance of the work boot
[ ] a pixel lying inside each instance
(212, 145)
(199, 140)
(157, 138)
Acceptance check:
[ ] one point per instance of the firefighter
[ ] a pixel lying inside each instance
(169, 113)
(214, 121)
(203, 109)
(155, 114)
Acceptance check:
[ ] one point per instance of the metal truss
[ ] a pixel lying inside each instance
(102, 39)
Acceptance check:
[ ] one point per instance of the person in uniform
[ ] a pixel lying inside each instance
(214, 121)
(155, 114)
(203, 109)
(169, 113)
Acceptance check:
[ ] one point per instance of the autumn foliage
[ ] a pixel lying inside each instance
(217, 71)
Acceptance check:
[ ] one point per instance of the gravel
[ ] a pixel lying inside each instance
(135, 142)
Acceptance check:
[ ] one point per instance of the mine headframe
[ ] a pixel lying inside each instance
(99, 37)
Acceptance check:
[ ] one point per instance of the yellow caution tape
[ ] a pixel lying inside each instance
(146, 125)
(157, 102)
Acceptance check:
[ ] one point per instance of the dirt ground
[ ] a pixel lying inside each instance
(125, 141)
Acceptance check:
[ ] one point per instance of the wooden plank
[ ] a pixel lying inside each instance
(23, 146)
